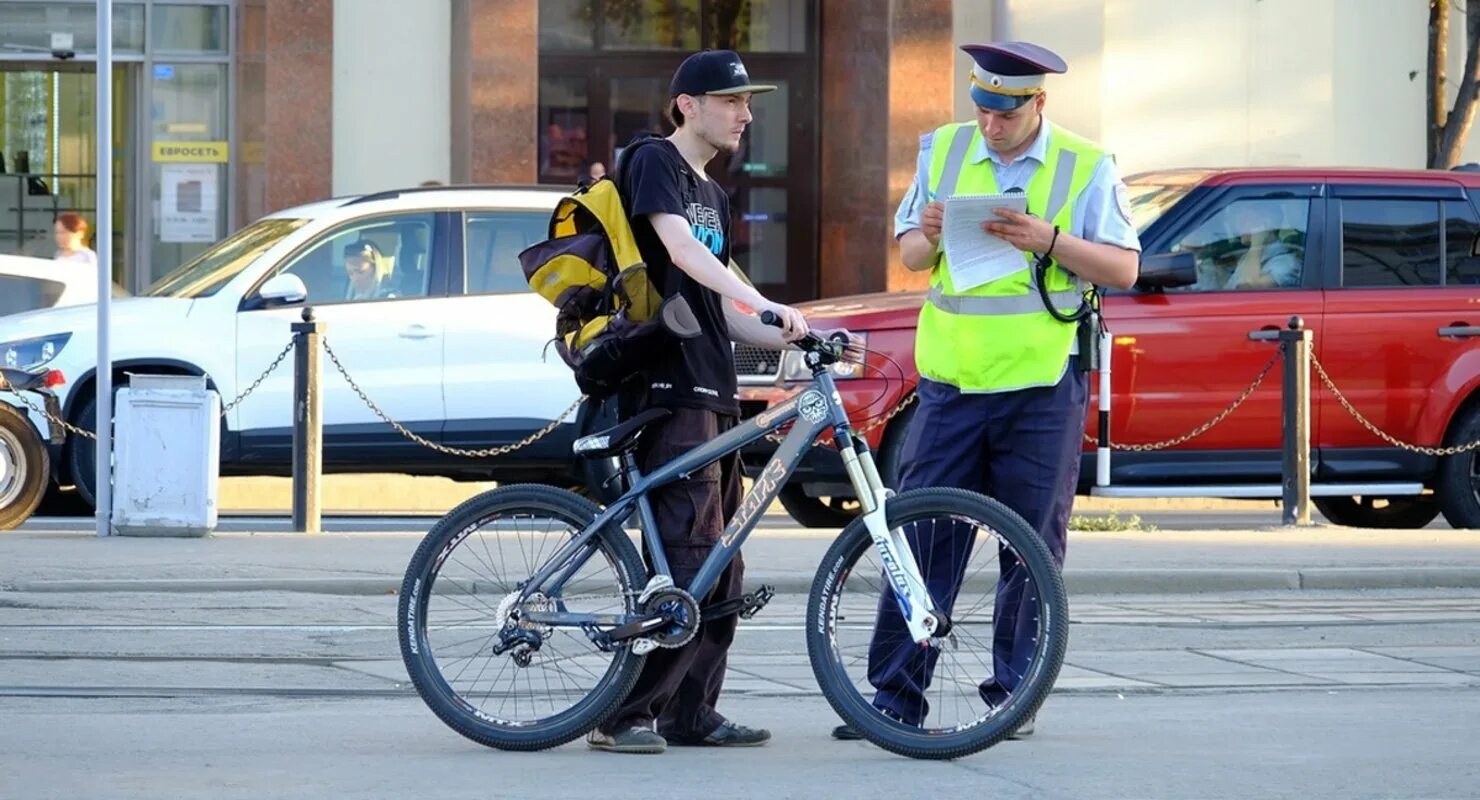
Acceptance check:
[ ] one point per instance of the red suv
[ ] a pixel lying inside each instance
(1384, 268)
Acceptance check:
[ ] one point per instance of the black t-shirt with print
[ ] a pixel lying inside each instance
(697, 372)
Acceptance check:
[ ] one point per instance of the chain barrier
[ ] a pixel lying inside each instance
(488, 452)
(1205, 427)
(1392, 440)
(253, 387)
(899, 407)
(90, 435)
(778, 437)
(53, 419)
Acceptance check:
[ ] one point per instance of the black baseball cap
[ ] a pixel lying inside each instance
(714, 72)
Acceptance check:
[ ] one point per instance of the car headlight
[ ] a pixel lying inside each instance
(794, 364)
(28, 353)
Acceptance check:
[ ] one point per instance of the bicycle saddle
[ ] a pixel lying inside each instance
(620, 438)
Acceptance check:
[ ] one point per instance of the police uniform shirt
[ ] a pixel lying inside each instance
(1102, 212)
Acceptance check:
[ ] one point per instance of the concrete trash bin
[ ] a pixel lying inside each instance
(167, 446)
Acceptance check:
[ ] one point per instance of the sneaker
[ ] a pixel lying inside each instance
(726, 734)
(636, 739)
(847, 733)
(1024, 730)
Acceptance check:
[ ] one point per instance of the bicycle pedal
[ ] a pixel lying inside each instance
(643, 646)
(757, 600)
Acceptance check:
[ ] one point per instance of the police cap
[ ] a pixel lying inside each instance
(1009, 74)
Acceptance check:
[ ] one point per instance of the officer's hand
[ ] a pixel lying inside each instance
(1023, 231)
(931, 220)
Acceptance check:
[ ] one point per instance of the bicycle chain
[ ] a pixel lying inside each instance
(1205, 427)
(488, 452)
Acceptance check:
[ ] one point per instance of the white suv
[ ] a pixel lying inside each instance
(453, 346)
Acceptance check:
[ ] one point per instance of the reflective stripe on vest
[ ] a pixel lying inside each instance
(1002, 304)
(998, 336)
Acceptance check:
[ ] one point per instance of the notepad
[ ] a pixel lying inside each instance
(975, 257)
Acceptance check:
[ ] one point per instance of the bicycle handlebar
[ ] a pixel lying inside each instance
(831, 349)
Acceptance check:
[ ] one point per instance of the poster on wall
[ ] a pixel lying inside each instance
(188, 202)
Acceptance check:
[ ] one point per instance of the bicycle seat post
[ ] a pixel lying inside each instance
(629, 467)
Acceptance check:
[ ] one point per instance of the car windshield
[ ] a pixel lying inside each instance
(1151, 198)
(214, 268)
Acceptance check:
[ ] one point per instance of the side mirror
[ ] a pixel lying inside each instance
(1167, 271)
(282, 290)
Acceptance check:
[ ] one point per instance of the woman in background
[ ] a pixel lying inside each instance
(70, 233)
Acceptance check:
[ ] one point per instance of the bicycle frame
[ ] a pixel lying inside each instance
(815, 408)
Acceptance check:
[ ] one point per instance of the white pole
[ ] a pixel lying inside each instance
(1102, 453)
(104, 482)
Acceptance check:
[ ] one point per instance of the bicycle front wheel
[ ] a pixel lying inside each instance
(491, 675)
(975, 683)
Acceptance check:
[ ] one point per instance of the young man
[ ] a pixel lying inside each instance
(681, 221)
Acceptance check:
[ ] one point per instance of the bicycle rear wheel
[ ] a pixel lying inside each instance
(459, 607)
(957, 695)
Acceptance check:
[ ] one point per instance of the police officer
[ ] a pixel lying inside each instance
(1002, 399)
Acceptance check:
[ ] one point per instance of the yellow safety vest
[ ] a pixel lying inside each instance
(998, 337)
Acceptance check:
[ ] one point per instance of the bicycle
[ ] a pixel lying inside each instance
(595, 591)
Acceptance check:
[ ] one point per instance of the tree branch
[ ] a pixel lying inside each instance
(1457, 127)
(1438, 66)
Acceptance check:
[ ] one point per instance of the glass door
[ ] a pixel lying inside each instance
(604, 73)
(187, 163)
(48, 154)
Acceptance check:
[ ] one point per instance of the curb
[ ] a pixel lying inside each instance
(1088, 581)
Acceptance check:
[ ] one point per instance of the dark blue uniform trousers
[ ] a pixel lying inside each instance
(1021, 448)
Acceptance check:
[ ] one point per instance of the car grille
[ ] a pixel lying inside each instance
(756, 364)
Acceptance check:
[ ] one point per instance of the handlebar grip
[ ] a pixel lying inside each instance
(770, 318)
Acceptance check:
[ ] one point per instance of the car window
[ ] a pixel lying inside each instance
(1461, 244)
(378, 258)
(1387, 242)
(208, 272)
(1250, 243)
(18, 293)
(492, 243)
(1150, 200)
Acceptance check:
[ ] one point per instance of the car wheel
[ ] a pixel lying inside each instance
(60, 502)
(25, 468)
(1378, 512)
(891, 450)
(817, 512)
(82, 455)
(1458, 486)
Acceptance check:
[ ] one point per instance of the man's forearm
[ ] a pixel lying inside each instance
(748, 329)
(701, 265)
(1097, 263)
(917, 251)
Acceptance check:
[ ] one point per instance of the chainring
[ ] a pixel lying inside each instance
(683, 606)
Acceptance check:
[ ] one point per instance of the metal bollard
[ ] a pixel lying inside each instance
(308, 428)
(1295, 341)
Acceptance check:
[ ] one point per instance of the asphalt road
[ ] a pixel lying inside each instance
(1169, 520)
(264, 695)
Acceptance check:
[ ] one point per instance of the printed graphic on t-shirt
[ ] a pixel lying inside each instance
(706, 225)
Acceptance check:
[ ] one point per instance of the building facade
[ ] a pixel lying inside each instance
(226, 110)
